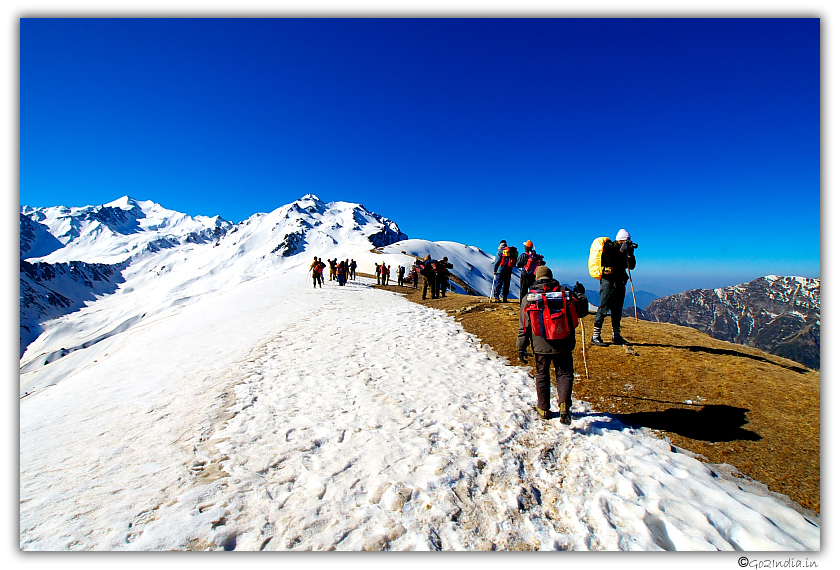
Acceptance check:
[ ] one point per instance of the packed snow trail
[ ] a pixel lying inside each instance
(274, 416)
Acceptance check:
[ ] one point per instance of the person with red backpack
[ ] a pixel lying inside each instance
(427, 270)
(502, 270)
(548, 315)
(415, 275)
(317, 269)
(442, 275)
(341, 273)
(528, 263)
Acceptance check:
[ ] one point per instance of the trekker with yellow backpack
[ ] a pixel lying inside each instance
(502, 270)
(608, 261)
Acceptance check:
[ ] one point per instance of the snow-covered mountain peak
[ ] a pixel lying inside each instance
(125, 203)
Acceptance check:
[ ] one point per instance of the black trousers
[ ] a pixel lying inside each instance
(525, 282)
(564, 369)
(429, 283)
(612, 301)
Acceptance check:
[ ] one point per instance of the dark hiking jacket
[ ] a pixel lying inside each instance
(616, 262)
(540, 344)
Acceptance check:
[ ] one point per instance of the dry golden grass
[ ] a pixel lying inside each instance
(729, 403)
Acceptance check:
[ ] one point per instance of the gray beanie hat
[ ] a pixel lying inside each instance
(622, 235)
(543, 271)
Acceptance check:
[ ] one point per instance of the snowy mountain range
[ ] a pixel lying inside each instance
(780, 315)
(90, 274)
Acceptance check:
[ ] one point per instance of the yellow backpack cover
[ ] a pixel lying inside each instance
(595, 251)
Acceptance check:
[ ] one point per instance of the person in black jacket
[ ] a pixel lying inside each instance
(428, 272)
(616, 258)
(548, 353)
(443, 267)
(527, 272)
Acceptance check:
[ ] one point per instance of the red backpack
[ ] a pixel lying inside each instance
(509, 255)
(550, 313)
(534, 260)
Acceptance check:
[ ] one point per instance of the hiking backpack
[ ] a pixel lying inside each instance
(550, 313)
(534, 261)
(596, 250)
(509, 255)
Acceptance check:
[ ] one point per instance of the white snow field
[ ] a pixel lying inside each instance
(271, 416)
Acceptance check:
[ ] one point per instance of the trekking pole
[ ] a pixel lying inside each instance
(492, 288)
(632, 288)
(583, 347)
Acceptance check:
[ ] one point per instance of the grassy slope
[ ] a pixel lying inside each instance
(757, 412)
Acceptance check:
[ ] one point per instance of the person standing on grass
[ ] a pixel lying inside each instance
(401, 276)
(616, 257)
(528, 263)
(548, 353)
(378, 274)
(502, 270)
(443, 267)
(428, 272)
(353, 269)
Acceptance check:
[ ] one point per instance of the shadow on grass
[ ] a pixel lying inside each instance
(726, 352)
(709, 423)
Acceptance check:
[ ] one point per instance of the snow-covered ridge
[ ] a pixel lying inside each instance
(157, 261)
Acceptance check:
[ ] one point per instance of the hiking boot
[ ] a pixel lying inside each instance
(566, 418)
(544, 414)
(496, 300)
(618, 339)
(596, 340)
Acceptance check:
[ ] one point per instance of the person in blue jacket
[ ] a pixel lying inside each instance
(502, 270)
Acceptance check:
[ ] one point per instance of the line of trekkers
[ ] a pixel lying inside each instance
(549, 312)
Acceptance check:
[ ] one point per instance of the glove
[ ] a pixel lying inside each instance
(523, 357)
(579, 289)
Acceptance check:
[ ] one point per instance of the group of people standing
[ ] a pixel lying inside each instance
(340, 271)
(435, 274)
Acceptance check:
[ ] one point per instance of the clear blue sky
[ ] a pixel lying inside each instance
(699, 136)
